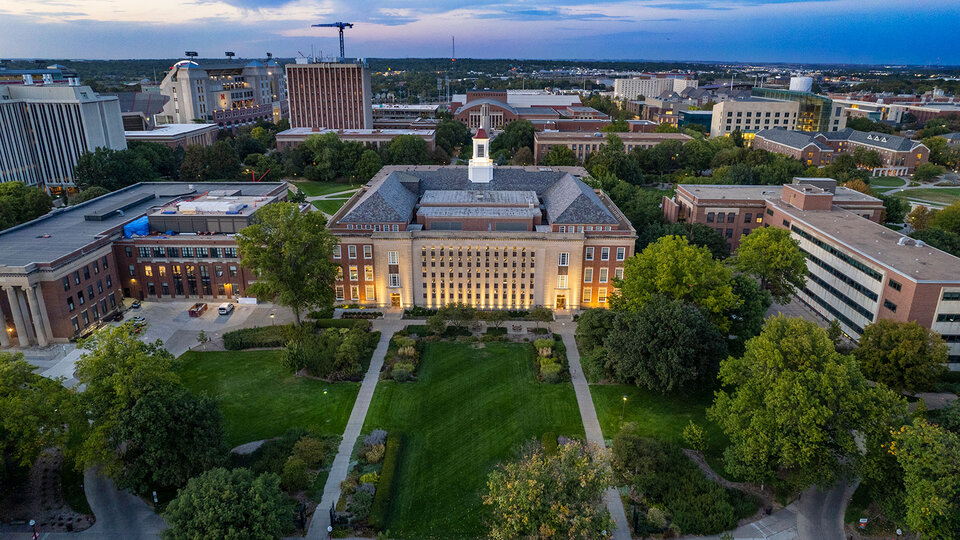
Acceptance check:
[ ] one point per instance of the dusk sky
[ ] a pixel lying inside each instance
(845, 31)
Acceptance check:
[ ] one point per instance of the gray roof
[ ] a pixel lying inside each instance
(63, 231)
(478, 197)
(873, 138)
(793, 139)
(567, 199)
(478, 211)
(486, 101)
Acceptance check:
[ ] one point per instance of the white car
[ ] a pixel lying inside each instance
(225, 308)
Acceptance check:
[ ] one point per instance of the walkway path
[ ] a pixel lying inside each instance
(591, 425)
(341, 464)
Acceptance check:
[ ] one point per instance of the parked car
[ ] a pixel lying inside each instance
(135, 304)
(138, 320)
(197, 309)
(225, 308)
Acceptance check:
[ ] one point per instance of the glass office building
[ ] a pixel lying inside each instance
(817, 113)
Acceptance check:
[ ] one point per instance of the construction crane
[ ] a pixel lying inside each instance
(341, 26)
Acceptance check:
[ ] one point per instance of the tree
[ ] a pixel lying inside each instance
(516, 135)
(203, 339)
(231, 505)
(894, 209)
(89, 194)
(667, 345)
(524, 156)
(112, 169)
(540, 314)
(290, 253)
(559, 156)
(747, 317)
(697, 234)
(550, 495)
(616, 126)
(117, 370)
(901, 355)
(940, 239)
(223, 163)
(437, 323)
(665, 128)
(775, 258)
(408, 150)
(927, 171)
(495, 317)
(167, 437)
(368, 165)
(920, 218)
(452, 134)
(268, 169)
(948, 219)
(20, 203)
(35, 412)
(930, 458)
(677, 270)
(793, 406)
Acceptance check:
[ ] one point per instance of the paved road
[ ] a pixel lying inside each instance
(120, 515)
(820, 513)
(341, 464)
(591, 425)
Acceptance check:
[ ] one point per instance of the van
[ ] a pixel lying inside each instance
(225, 308)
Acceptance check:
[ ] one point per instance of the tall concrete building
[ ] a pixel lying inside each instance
(229, 94)
(653, 84)
(859, 270)
(814, 112)
(45, 129)
(749, 115)
(330, 95)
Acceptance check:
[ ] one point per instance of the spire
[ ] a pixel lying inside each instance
(481, 167)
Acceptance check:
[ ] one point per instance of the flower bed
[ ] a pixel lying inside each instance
(365, 495)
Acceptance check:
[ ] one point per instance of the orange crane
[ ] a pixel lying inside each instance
(341, 26)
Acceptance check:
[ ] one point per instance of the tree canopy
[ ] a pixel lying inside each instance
(290, 253)
(558, 156)
(775, 258)
(20, 203)
(930, 459)
(901, 355)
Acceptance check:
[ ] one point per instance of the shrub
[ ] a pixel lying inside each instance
(550, 373)
(361, 315)
(360, 504)
(546, 360)
(544, 346)
(370, 478)
(657, 517)
(335, 323)
(377, 436)
(381, 500)
(496, 332)
(694, 437)
(325, 313)
(348, 487)
(375, 453)
(295, 476)
(417, 312)
(402, 371)
(257, 337)
(312, 451)
(549, 442)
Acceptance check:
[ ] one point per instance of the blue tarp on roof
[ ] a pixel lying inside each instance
(139, 227)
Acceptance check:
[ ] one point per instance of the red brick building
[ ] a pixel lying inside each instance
(898, 155)
(329, 95)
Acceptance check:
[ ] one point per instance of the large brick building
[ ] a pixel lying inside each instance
(859, 270)
(585, 143)
(333, 95)
(66, 271)
(898, 155)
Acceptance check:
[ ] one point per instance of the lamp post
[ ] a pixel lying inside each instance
(325, 405)
(623, 408)
(272, 318)
(33, 525)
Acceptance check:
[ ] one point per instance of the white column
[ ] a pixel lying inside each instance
(43, 314)
(25, 313)
(4, 335)
(14, 300)
(31, 293)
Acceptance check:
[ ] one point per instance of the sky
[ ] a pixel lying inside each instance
(813, 31)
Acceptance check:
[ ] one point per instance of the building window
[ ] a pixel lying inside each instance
(721, 217)
(603, 275)
(354, 292)
(393, 280)
(368, 273)
(370, 294)
(148, 271)
(890, 305)
(710, 217)
(76, 324)
(339, 291)
(769, 212)
(564, 259)
(66, 284)
(393, 257)
(70, 305)
(230, 253)
(128, 251)
(367, 252)
(561, 228)
(894, 284)
(588, 275)
(188, 252)
(86, 319)
(587, 295)
(354, 274)
(618, 272)
(352, 251)
(132, 270)
(747, 218)
(604, 254)
(561, 282)
(588, 255)
(96, 267)
(948, 317)
(621, 253)
(173, 252)
(951, 296)
(144, 252)
(602, 295)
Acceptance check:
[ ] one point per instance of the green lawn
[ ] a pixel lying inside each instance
(329, 206)
(937, 195)
(312, 189)
(658, 416)
(468, 410)
(887, 182)
(260, 399)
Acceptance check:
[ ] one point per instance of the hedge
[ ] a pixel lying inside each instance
(257, 337)
(381, 499)
(335, 323)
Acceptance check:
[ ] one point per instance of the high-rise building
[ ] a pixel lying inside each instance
(653, 85)
(45, 129)
(814, 112)
(330, 95)
(749, 115)
(229, 94)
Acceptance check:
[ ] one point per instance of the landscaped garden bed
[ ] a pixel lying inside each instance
(361, 315)
(365, 494)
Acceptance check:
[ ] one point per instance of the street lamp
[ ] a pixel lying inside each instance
(272, 316)
(623, 408)
(33, 525)
(325, 406)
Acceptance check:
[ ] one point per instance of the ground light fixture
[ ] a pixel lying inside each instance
(623, 408)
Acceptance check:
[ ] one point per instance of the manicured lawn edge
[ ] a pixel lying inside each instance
(385, 487)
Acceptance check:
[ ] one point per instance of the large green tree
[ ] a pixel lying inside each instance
(750, 312)
(697, 234)
(452, 134)
(930, 458)
(515, 135)
(233, 505)
(20, 203)
(113, 169)
(559, 156)
(667, 345)
(116, 370)
(289, 252)
(943, 240)
(771, 255)
(901, 355)
(793, 406)
(167, 437)
(673, 268)
(408, 150)
(550, 495)
(948, 219)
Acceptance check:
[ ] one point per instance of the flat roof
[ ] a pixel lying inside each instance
(478, 197)
(761, 193)
(625, 136)
(170, 130)
(64, 231)
(215, 205)
(306, 131)
(478, 211)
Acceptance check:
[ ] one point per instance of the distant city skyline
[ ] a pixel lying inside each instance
(808, 31)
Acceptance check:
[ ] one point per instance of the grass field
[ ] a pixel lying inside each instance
(937, 195)
(887, 182)
(313, 189)
(468, 410)
(658, 416)
(260, 399)
(329, 206)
